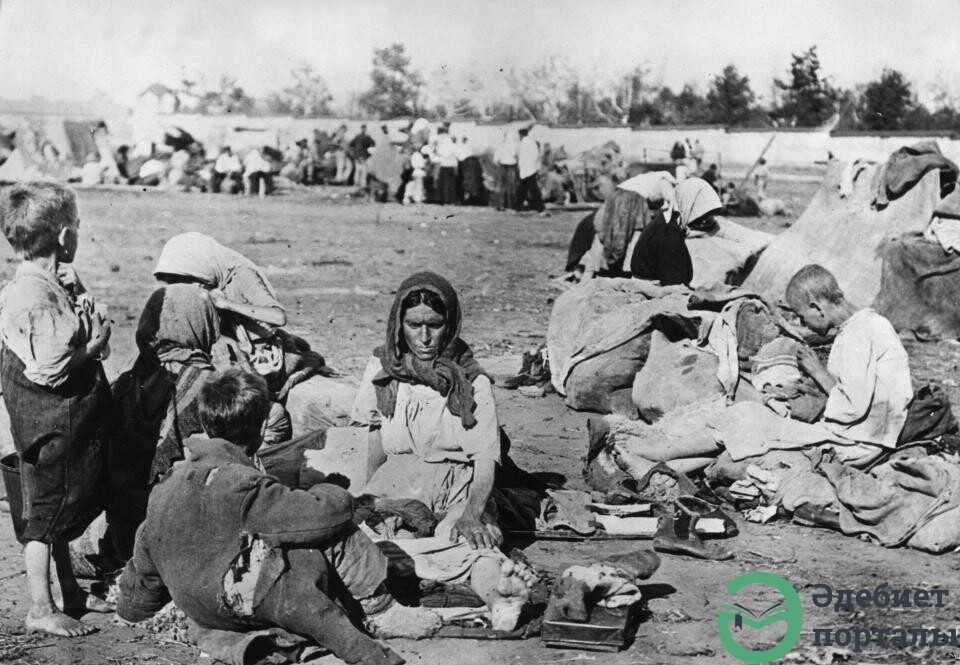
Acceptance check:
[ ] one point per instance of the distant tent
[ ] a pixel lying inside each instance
(844, 235)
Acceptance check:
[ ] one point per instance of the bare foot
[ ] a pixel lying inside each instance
(508, 596)
(401, 621)
(56, 622)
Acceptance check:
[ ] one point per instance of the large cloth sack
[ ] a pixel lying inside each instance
(592, 321)
(725, 256)
(675, 374)
(319, 403)
(920, 287)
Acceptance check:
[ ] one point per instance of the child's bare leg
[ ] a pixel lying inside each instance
(44, 617)
(76, 601)
(504, 586)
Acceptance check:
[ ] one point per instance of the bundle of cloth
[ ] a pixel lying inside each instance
(907, 166)
(599, 337)
(921, 270)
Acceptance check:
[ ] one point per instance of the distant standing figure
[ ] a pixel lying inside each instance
(360, 147)
(447, 176)
(418, 171)
(344, 165)
(697, 154)
(528, 165)
(760, 177)
(506, 158)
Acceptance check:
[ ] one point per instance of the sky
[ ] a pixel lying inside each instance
(77, 49)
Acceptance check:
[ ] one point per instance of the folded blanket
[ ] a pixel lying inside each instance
(907, 166)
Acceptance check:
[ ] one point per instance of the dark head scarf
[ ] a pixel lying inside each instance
(179, 326)
(451, 373)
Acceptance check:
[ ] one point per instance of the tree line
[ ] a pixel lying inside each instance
(553, 92)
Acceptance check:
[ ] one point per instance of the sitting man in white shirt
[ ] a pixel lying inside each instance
(227, 168)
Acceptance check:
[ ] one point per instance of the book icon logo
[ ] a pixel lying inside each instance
(732, 617)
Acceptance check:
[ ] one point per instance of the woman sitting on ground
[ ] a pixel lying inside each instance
(251, 321)
(156, 401)
(661, 252)
(435, 436)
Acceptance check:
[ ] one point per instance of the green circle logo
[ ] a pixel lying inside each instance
(734, 616)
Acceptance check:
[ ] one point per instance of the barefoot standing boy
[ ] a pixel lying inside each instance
(55, 392)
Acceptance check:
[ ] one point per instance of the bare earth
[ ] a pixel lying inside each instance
(335, 264)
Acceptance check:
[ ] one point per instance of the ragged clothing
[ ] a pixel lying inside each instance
(422, 424)
(865, 410)
(911, 499)
(299, 546)
(57, 413)
(157, 402)
(869, 402)
(43, 323)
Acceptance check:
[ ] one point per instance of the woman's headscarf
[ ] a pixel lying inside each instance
(696, 199)
(199, 256)
(619, 216)
(179, 324)
(451, 373)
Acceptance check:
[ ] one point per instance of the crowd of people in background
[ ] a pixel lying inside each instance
(424, 162)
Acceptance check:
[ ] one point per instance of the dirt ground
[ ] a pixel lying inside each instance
(335, 264)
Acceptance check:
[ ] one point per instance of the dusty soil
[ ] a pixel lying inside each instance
(335, 264)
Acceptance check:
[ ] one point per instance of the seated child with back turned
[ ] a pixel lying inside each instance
(259, 554)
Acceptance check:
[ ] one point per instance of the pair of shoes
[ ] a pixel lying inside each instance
(671, 540)
(534, 373)
(817, 516)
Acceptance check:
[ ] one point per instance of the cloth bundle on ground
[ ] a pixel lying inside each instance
(679, 372)
(844, 234)
(911, 499)
(724, 255)
(598, 337)
(920, 287)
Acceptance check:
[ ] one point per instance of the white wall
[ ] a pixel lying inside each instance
(735, 148)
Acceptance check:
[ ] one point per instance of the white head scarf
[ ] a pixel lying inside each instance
(696, 198)
(199, 256)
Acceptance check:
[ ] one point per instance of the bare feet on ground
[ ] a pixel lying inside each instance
(55, 622)
(508, 596)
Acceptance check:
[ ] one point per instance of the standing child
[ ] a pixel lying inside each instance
(55, 392)
(761, 175)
